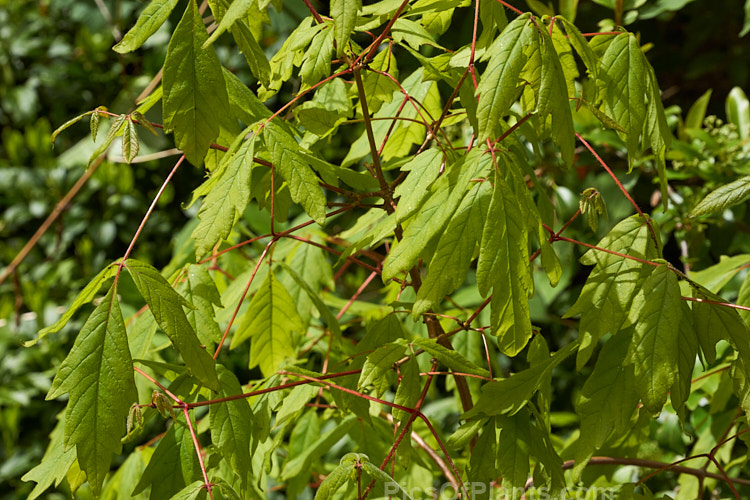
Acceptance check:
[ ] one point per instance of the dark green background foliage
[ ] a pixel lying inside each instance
(57, 62)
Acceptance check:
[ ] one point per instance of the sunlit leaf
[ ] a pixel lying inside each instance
(271, 323)
(195, 95)
(150, 20)
(98, 376)
(166, 306)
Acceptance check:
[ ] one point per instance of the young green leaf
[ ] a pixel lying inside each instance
(271, 322)
(166, 306)
(67, 124)
(230, 429)
(195, 96)
(336, 479)
(379, 476)
(449, 358)
(344, 14)
(657, 313)
(138, 117)
(738, 111)
(450, 262)
(98, 376)
(513, 452)
(316, 63)
(114, 130)
(55, 463)
(726, 196)
(379, 370)
(497, 87)
(87, 295)
(623, 73)
(227, 199)
(152, 17)
(608, 398)
(606, 298)
(130, 143)
(303, 183)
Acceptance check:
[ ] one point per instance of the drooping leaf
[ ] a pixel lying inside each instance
(173, 464)
(715, 277)
(450, 262)
(509, 395)
(313, 296)
(166, 306)
(428, 223)
(195, 96)
(344, 14)
(581, 46)
(230, 429)
(726, 196)
(226, 200)
(271, 323)
(423, 170)
(55, 462)
(409, 389)
(449, 358)
(67, 124)
(608, 398)
(130, 144)
(497, 87)
(687, 352)
(200, 290)
(150, 20)
(553, 95)
(503, 264)
(513, 452)
(295, 465)
(336, 479)
(378, 369)
(378, 88)
(656, 312)
(606, 298)
(98, 376)
(303, 183)
(713, 322)
(623, 75)
(317, 60)
(738, 111)
(87, 295)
